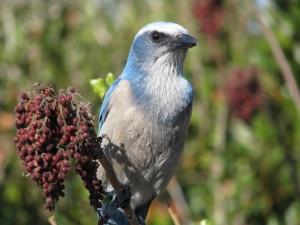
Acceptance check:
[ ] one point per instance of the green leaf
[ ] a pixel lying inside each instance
(99, 87)
(110, 78)
(206, 222)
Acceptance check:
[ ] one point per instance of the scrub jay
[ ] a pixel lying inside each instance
(145, 116)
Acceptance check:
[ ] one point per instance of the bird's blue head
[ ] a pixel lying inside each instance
(159, 43)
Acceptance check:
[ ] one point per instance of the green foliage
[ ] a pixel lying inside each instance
(206, 222)
(100, 86)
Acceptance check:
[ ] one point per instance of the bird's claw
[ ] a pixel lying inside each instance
(100, 215)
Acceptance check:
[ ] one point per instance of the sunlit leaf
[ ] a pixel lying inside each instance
(110, 78)
(99, 87)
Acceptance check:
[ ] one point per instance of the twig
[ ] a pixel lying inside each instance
(179, 200)
(279, 57)
(52, 220)
(118, 187)
(219, 141)
(173, 214)
(217, 165)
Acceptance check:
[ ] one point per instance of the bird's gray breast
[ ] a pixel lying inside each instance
(145, 138)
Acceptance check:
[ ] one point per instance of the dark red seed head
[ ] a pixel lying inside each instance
(47, 157)
(77, 156)
(68, 98)
(30, 164)
(58, 165)
(75, 120)
(28, 158)
(49, 147)
(61, 176)
(51, 178)
(84, 128)
(28, 120)
(28, 169)
(47, 112)
(23, 96)
(65, 162)
(54, 170)
(19, 109)
(65, 155)
(50, 188)
(86, 135)
(66, 111)
(16, 139)
(72, 89)
(71, 151)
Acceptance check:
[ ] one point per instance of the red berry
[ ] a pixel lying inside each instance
(50, 188)
(58, 165)
(47, 157)
(71, 151)
(51, 178)
(49, 147)
(61, 176)
(30, 164)
(68, 98)
(72, 89)
(85, 128)
(65, 111)
(75, 120)
(24, 96)
(77, 156)
(65, 155)
(28, 120)
(65, 162)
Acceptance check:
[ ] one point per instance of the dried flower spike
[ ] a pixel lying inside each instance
(49, 134)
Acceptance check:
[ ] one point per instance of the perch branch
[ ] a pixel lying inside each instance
(179, 200)
(173, 214)
(52, 220)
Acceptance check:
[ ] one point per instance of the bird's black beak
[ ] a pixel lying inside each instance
(184, 41)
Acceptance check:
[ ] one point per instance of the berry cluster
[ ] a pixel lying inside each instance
(244, 93)
(210, 15)
(52, 132)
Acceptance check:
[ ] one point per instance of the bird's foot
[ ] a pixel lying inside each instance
(102, 219)
(141, 221)
(120, 201)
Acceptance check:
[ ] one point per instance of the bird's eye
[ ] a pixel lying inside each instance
(156, 36)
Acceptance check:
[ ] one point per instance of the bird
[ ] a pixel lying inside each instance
(145, 116)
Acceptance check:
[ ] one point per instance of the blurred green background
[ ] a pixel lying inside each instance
(241, 160)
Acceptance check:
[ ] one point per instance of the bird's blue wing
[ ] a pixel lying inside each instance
(104, 108)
